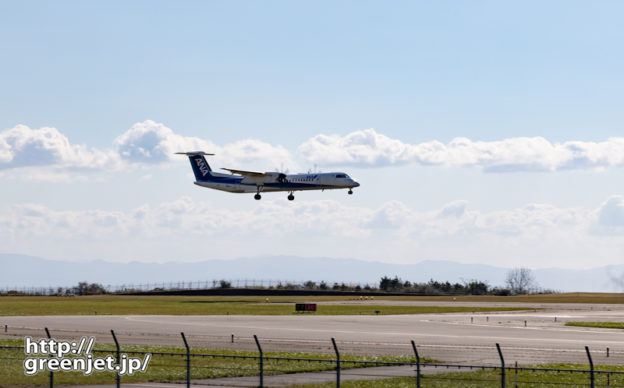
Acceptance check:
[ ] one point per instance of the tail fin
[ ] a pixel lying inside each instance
(200, 166)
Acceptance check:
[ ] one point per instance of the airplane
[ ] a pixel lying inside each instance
(240, 181)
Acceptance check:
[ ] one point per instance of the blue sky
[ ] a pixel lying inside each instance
(481, 131)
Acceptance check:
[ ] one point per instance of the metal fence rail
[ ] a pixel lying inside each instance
(260, 367)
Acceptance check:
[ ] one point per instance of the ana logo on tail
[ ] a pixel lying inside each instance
(201, 163)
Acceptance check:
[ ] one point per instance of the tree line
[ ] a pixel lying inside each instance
(518, 281)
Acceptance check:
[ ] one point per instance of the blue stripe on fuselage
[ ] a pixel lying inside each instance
(294, 186)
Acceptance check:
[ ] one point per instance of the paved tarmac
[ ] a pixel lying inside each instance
(533, 336)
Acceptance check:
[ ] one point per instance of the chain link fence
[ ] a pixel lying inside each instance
(258, 368)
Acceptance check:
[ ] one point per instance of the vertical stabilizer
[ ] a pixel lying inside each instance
(200, 166)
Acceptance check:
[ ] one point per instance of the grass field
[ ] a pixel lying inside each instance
(492, 379)
(167, 368)
(203, 305)
(258, 305)
(605, 325)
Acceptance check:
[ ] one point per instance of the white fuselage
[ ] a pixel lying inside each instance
(278, 182)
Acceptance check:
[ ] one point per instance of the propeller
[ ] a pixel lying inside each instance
(281, 178)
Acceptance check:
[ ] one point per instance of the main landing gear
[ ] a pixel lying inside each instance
(291, 197)
(257, 197)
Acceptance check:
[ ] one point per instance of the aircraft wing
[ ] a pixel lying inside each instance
(245, 173)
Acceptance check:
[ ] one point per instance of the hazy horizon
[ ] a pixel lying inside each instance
(18, 272)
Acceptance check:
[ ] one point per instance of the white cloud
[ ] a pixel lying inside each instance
(367, 148)
(610, 217)
(391, 215)
(534, 235)
(255, 151)
(21, 146)
(151, 142)
(47, 154)
(454, 209)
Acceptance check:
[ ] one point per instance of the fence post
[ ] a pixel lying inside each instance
(337, 363)
(188, 361)
(591, 368)
(417, 364)
(118, 378)
(51, 374)
(500, 354)
(261, 361)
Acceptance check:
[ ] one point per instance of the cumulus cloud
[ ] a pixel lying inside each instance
(367, 148)
(21, 146)
(536, 234)
(49, 155)
(151, 142)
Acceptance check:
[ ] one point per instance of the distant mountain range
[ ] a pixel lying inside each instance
(28, 271)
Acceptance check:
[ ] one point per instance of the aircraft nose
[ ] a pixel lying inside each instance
(355, 184)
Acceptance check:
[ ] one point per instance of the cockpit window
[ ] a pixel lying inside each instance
(341, 175)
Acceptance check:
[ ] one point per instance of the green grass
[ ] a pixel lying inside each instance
(172, 368)
(257, 305)
(492, 379)
(203, 305)
(606, 325)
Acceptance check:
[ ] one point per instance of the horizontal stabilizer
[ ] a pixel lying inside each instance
(193, 153)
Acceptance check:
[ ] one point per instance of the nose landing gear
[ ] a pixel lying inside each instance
(257, 197)
(350, 192)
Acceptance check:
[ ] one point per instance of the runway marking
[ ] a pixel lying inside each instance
(566, 329)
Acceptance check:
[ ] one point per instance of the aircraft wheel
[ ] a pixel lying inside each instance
(350, 192)
(257, 197)
(291, 197)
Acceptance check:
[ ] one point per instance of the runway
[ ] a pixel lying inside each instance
(453, 338)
